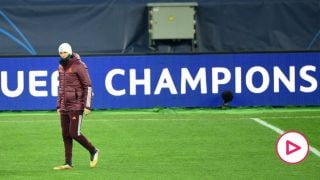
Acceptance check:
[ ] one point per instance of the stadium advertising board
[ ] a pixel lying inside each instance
(145, 81)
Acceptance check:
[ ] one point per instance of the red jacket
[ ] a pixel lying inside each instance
(75, 91)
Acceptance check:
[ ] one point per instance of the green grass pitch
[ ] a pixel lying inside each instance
(167, 144)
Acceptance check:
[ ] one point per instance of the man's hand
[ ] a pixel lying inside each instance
(58, 111)
(86, 111)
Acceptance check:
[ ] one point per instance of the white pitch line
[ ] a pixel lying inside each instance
(279, 131)
(290, 117)
(263, 123)
(95, 120)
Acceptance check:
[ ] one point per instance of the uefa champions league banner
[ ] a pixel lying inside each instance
(146, 81)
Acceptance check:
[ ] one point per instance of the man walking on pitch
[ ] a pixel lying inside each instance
(74, 100)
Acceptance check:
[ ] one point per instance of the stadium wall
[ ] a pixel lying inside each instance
(36, 27)
(189, 80)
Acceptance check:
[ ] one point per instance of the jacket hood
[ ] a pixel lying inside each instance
(75, 57)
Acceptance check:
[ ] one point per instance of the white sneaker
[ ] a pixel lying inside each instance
(94, 159)
(63, 167)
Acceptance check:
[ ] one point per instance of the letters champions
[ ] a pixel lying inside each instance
(256, 79)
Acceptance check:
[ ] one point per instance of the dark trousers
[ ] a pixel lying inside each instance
(71, 125)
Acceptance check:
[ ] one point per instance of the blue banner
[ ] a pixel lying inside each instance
(145, 81)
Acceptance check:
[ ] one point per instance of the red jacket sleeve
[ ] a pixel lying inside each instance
(59, 91)
(82, 72)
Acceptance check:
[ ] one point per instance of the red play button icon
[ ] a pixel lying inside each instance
(292, 147)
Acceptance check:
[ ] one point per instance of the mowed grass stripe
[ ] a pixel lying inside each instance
(215, 111)
(87, 119)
